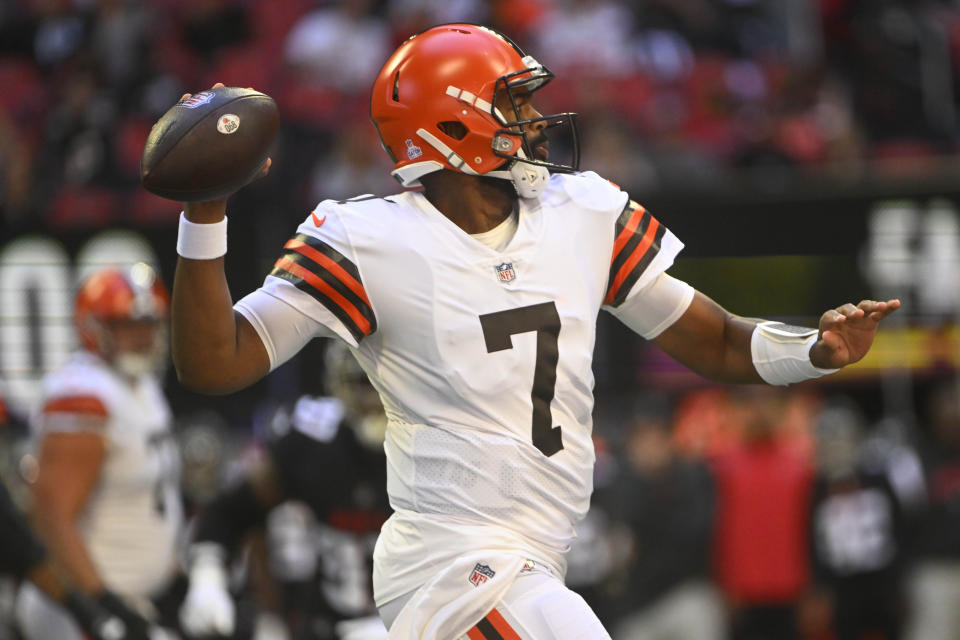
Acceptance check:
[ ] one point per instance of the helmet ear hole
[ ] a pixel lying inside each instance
(454, 129)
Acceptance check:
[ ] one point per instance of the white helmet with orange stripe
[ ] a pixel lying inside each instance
(121, 316)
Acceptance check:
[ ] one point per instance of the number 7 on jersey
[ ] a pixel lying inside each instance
(543, 318)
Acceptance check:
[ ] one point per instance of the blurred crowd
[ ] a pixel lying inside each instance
(668, 90)
(757, 513)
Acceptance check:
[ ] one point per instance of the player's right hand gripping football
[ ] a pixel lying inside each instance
(208, 608)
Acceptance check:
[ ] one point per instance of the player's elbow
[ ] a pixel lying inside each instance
(206, 385)
(212, 378)
(205, 380)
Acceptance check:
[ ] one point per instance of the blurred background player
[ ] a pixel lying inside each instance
(106, 498)
(327, 466)
(23, 557)
(858, 532)
(934, 583)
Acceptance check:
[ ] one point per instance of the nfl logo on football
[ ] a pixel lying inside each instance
(481, 573)
(505, 272)
(197, 99)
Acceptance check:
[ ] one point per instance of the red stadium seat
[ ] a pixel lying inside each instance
(272, 21)
(244, 67)
(149, 210)
(317, 106)
(128, 144)
(82, 208)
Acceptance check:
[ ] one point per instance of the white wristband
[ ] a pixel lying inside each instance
(781, 353)
(202, 241)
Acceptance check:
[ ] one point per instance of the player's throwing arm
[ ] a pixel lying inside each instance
(205, 148)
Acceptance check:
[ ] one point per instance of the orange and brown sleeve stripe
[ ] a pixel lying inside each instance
(493, 627)
(318, 269)
(85, 405)
(637, 243)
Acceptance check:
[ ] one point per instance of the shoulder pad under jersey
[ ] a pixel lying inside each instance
(82, 375)
(591, 191)
(365, 203)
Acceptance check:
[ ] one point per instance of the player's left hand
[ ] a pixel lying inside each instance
(847, 332)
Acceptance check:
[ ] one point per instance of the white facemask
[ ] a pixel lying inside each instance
(134, 364)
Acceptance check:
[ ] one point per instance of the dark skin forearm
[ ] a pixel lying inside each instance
(215, 350)
(716, 343)
(712, 342)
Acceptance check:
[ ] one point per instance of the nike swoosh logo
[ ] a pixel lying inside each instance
(318, 221)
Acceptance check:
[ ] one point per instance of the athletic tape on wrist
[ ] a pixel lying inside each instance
(201, 241)
(781, 353)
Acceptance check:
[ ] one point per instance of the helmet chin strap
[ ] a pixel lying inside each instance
(528, 179)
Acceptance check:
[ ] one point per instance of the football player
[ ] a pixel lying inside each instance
(23, 557)
(856, 571)
(331, 460)
(106, 500)
(472, 306)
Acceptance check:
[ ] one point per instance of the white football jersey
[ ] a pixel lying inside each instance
(482, 358)
(134, 515)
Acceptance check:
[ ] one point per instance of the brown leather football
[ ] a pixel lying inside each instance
(209, 145)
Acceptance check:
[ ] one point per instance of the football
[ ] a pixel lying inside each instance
(209, 145)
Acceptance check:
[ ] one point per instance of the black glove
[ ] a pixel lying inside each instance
(106, 617)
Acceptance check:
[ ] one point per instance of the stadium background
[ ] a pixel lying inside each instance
(805, 152)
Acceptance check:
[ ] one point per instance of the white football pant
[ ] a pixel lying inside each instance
(538, 606)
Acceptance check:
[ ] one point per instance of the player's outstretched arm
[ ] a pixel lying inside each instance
(722, 346)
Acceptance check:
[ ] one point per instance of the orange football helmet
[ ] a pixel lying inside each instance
(456, 73)
(114, 295)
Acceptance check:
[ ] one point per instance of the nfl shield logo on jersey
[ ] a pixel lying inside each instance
(480, 574)
(505, 272)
